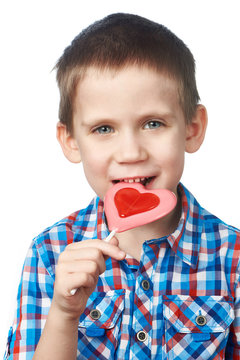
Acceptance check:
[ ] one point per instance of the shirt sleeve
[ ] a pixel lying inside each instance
(233, 345)
(33, 302)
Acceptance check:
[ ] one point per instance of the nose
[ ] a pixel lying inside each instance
(130, 149)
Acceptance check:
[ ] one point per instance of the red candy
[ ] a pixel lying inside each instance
(130, 201)
(130, 205)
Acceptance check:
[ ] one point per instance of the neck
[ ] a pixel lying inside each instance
(131, 241)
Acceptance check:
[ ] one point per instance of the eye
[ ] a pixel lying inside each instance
(104, 130)
(153, 124)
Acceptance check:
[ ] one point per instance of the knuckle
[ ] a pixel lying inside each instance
(60, 258)
(93, 267)
(59, 267)
(85, 278)
(96, 253)
(72, 246)
(102, 270)
(69, 247)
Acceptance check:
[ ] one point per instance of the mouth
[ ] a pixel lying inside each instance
(142, 180)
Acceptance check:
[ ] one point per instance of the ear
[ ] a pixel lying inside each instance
(195, 131)
(68, 144)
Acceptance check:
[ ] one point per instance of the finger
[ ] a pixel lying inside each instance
(114, 241)
(77, 281)
(89, 266)
(80, 255)
(108, 249)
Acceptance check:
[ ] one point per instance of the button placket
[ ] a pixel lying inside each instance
(144, 294)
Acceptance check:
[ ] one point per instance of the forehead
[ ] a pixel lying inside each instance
(92, 74)
(132, 88)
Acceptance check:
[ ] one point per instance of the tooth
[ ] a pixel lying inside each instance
(131, 180)
(137, 180)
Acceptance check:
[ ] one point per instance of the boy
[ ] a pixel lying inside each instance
(166, 290)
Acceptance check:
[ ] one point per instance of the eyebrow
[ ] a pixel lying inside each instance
(102, 120)
(96, 121)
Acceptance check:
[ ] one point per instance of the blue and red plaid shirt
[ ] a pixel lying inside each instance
(182, 301)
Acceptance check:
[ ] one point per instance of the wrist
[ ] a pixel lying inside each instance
(61, 317)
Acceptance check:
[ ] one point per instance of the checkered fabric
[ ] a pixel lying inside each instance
(189, 307)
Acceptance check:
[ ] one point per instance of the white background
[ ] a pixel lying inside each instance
(38, 185)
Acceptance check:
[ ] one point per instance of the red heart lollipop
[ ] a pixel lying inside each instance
(130, 205)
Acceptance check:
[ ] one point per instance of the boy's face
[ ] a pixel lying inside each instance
(129, 126)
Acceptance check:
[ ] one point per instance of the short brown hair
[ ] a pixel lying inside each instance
(123, 39)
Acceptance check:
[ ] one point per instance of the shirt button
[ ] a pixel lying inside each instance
(95, 314)
(142, 336)
(145, 285)
(201, 320)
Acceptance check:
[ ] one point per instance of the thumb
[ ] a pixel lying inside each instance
(114, 241)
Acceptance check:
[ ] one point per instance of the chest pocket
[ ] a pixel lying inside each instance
(99, 325)
(196, 327)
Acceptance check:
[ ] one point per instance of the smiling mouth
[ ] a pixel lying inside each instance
(142, 180)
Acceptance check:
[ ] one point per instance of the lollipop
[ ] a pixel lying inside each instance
(130, 205)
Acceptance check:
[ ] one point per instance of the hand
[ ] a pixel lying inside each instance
(79, 267)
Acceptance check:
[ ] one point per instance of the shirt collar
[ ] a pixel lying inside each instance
(90, 223)
(185, 240)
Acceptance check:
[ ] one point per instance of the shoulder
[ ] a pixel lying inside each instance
(220, 229)
(221, 241)
(214, 238)
(53, 240)
(206, 222)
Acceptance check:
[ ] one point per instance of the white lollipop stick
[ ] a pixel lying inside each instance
(107, 239)
(73, 292)
(111, 235)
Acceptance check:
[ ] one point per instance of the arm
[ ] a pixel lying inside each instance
(79, 266)
(59, 338)
(233, 345)
(34, 296)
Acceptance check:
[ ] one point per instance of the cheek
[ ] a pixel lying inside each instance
(92, 165)
(95, 169)
(172, 151)
(171, 157)
(173, 167)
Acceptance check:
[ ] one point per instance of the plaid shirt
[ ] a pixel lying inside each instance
(182, 301)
